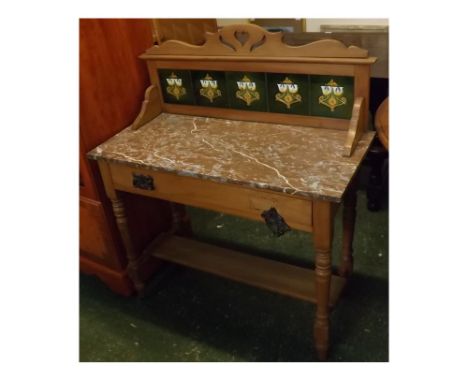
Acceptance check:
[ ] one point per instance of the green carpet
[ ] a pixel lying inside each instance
(193, 316)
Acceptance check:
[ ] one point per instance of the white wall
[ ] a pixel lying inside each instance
(313, 25)
(224, 22)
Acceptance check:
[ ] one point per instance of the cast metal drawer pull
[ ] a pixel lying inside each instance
(145, 182)
(275, 222)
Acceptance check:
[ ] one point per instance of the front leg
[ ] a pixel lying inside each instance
(122, 224)
(323, 237)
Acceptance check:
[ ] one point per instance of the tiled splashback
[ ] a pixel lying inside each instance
(317, 95)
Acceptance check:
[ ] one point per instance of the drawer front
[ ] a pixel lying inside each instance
(227, 198)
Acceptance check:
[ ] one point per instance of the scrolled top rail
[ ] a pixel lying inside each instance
(254, 41)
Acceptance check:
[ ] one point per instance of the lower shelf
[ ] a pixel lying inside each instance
(268, 274)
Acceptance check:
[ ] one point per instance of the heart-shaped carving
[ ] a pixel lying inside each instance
(242, 37)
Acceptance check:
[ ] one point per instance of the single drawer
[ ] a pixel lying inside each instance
(227, 198)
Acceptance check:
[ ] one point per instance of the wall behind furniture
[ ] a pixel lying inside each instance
(188, 30)
(313, 25)
(224, 22)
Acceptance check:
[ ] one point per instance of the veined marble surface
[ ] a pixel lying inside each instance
(291, 159)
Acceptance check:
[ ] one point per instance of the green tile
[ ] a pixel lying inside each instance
(335, 99)
(214, 92)
(292, 103)
(176, 86)
(247, 90)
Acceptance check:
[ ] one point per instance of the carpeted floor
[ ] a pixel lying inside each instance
(192, 316)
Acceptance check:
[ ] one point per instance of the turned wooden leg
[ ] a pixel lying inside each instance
(122, 224)
(349, 218)
(323, 237)
(180, 220)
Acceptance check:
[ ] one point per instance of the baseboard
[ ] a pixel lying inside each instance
(117, 281)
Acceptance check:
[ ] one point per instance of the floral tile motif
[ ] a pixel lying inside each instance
(247, 90)
(176, 86)
(331, 96)
(209, 88)
(288, 93)
(315, 95)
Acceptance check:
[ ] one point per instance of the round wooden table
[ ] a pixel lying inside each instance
(376, 157)
(381, 123)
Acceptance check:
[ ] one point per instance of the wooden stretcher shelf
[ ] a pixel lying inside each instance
(268, 274)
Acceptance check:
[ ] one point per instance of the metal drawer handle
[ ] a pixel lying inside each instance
(145, 182)
(275, 222)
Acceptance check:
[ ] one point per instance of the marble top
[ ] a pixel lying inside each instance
(291, 159)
